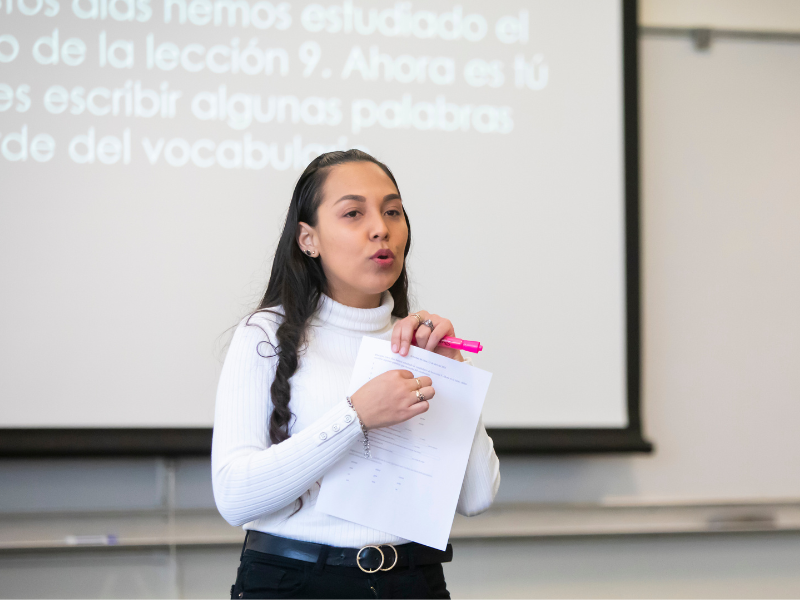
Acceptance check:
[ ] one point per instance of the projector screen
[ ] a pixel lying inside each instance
(149, 149)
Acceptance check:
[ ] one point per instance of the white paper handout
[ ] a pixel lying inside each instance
(410, 486)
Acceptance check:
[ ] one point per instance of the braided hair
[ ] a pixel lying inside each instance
(297, 282)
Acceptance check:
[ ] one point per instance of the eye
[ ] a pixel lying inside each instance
(352, 212)
(394, 212)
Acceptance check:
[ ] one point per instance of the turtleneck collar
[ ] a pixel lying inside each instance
(365, 320)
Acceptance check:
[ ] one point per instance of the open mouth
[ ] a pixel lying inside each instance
(383, 255)
(384, 258)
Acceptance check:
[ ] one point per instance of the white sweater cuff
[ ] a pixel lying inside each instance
(337, 420)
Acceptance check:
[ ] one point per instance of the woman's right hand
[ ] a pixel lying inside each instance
(391, 398)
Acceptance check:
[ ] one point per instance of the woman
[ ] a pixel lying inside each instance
(283, 417)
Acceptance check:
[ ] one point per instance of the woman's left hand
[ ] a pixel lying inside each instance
(427, 339)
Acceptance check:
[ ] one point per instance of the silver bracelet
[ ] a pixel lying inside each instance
(363, 430)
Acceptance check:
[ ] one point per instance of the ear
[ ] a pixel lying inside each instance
(307, 239)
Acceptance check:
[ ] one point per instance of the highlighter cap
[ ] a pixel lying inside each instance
(471, 346)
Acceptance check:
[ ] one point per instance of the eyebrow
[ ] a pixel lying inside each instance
(358, 198)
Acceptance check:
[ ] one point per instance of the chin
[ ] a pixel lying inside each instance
(380, 286)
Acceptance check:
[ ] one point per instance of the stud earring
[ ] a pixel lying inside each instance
(308, 252)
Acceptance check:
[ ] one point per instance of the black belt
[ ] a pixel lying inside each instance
(370, 558)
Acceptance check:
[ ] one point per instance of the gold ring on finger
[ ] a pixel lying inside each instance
(419, 319)
(420, 396)
(419, 385)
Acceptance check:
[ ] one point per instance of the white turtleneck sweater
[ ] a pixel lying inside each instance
(255, 482)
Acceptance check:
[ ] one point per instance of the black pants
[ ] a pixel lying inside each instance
(268, 576)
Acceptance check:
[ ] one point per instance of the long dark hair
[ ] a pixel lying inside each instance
(297, 280)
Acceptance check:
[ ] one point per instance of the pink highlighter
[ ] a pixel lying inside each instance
(454, 342)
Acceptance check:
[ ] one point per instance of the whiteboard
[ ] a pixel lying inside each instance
(720, 289)
(721, 273)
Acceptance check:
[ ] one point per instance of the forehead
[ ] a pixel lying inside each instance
(360, 178)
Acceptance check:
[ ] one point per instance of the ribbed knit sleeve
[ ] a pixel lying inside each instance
(482, 477)
(252, 477)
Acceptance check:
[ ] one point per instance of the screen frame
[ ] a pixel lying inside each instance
(196, 441)
(630, 438)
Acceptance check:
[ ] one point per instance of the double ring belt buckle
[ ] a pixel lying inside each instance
(383, 558)
(395, 557)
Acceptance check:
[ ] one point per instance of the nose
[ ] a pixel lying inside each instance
(378, 229)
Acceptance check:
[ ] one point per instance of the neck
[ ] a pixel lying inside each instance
(356, 299)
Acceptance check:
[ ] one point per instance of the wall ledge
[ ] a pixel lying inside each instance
(147, 529)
